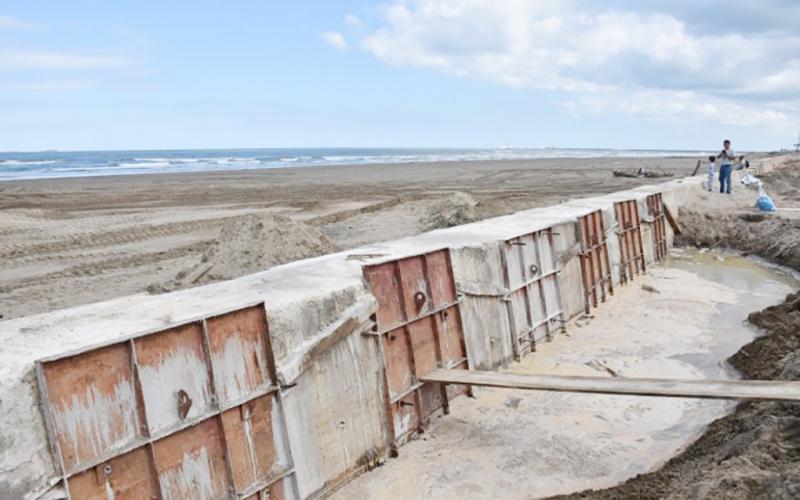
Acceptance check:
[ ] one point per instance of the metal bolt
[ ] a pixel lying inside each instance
(107, 469)
(184, 404)
(419, 300)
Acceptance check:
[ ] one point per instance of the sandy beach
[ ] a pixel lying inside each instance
(65, 242)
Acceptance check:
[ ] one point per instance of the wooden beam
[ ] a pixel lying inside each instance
(672, 222)
(757, 390)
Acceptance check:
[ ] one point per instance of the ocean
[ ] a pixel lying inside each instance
(55, 164)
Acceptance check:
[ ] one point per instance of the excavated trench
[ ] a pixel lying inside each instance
(680, 320)
(754, 452)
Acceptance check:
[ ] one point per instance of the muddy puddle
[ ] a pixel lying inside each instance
(528, 444)
(760, 283)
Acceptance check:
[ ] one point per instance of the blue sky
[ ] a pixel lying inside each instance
(459, 73)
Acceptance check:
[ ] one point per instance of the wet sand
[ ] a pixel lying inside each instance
(65, 242)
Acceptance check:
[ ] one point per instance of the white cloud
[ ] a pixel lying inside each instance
(51, 85)
(12, 23)
(353, 21)
(335, 40)
(647, 62)
(15, 60)
(684, 105)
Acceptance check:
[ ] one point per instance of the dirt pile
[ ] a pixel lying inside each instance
(249, 245)
(785, 183)
(766, 235)
(453, 210)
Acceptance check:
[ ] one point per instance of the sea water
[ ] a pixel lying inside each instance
(50, 164)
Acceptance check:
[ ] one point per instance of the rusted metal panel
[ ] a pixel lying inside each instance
(398, 359)
(251, 443)
(534, 296)
(192, 411)
(239, 349)
(442, 288)
(595, 266)
(130, 476)
(192, 463)
(386, 288)
(655, 206)
(174, 377)
(92, 400)
(419, 330)
(276, 491)
(630, 239)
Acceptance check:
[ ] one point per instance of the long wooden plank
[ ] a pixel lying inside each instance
(758, 390)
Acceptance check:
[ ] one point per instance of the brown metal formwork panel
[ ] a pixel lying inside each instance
(174, 377)
(533, 302)
(656, 207)
(192, 463)
(92, 404)
(128, 476)
(595, 265)
(192, 411)
(419, 330)
(276, 491)
(239, 355)
(248, 431)
(630, 239)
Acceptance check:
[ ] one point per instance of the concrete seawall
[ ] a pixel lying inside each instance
(289, 382)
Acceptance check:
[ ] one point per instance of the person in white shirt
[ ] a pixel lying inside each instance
(726, 158)
(743, 163)
(710, 171)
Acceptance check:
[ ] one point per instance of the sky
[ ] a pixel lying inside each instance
(100, 75)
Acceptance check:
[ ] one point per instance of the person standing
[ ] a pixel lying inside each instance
(726, 158)
(710, 172)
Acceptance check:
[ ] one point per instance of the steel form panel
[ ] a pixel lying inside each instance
(418, 329)
(595, 265)
(533, 300)
(630, 240)
(190, 411)
(656, 207)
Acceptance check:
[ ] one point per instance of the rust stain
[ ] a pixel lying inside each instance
(171, 362)
(93, 402)
(630, 239)
(191, 463)
(387, 291)
(98, 403)
(419, 320)
(129, 477)
(397, 356)
(655, 205)
(238, 344)
(248, 432)
(595, 265)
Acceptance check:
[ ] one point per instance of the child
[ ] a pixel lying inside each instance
(710, 170)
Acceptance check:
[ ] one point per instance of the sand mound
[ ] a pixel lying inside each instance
(249, 245)
(453, 210)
